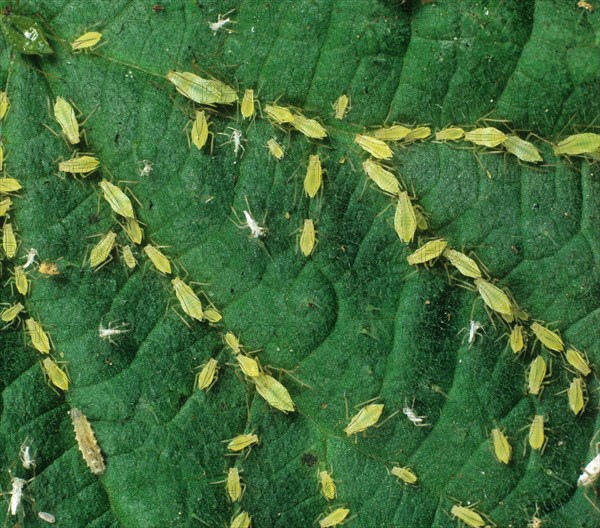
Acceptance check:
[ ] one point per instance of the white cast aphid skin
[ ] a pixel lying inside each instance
(417, 421)
(256, 230)
(31, 254)
(16, 494)
(220, 23)
(473, 327)
(591, 472)
(147, 168)
(109, 332)
(25, 455)
(236, 138)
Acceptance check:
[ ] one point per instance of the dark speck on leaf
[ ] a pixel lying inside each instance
(309, 459)
(150, 204)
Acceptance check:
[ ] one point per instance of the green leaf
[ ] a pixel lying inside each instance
(352, 321)
(25, 35)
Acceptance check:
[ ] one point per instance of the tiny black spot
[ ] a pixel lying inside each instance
(309, 459)
(117, 137)
(150, 204)
(535, 206)
(94, 219)
(232, 291)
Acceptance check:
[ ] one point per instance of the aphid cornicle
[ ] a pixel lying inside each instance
(207, 377)
(577, 396)
(241, 442)
(56, 375)
(367, 417)
(101, 251)
(376, 147)
(311, 128)
(9, 240)
(9, 314)
(65, 115)
(536, 432)
(486, 137)
(466, 265)
(202, 91)
(427, 252)
(86, 41)
(537, 373)
(273, 392)
(391, 133)
(327, 485)
(83, 165)
(242, 520)
(117, 199)
(468, 515)
(494, 297)
(578, 361)
(4, 104)
(383, 178)
(188, 300)
(502, 448)
(307, 238)
(405, 474)
(517, 343)
(9, 185)
(39, 338)
(405, 220)
(576, 144)
(200, 130)
(247, 106)
(158, 258)
(551, 340)
(341, 106)
(522, 149)
(279, 114)
(275, 149)
(314, 175)
(233, 485)
(335, 518)
(21, 281)
(86, 439)
(450, 134)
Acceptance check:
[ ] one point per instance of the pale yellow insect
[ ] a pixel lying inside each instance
(1, 158)
(21, 281)
(418, 133)
(86, 41)
(522, 149)
(4, 104)
(576, 395)
(367, 417)
(65, 115)
(384, 179)
(202, 91)
(56, 375)
(9, 185)
(376, 147)
(9, 314)
(537, 373)
(200, 130)
(578, 144)
(248, 365)
(314, 175)
(207, 377)
(502, 448)
(233, 485)
(133, 230)
(86, 439)
(9, 240)
(273, 392)
(427, 252)
(117, 199)
(212, 315)
(241, 442)
(49, 268)
(5, 206)
(551, 340)
(450, 134)
(466, 265)
(327, 485)
(536, 432)
(341, 106)
(494, 297)
(405, 474)
(128, 257)
(487, 137)
(335, 518)
(578, 361)
(308, 238)
(101, 251)
(275, 149)
(279, 114)
(158, 258)
(39, 338)
(188, 300)
(233, 343)
(79, 165)
(243, 520)
(391, 133)
(517, 343)
(309, 127)
(467, 515)
(247, 107)
(405, 220)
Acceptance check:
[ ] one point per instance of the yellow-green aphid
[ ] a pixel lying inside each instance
(117, 199)
(422, 218)
(273, 392)
(241, 442)
(309, 127)
(427, 252)
(279, 114)
(202, 91)
(247, 106)
(335, 518)
(450, 134)
(158, 258)
(392, 133)
(133, 230)
(65, 115)
(248, 365)
(9, 240)
(487, 137)
(21, 281)
(10, 314)
(5, 206)
(467, 515)
(86, 41)
(384, 179)
(578, 361)
(102, 249)
(522, 149)
(4, 104)
(307, 238)
(212, 315)
(275, 149)
(207, 377)
(367, 417)
(128, 257)
(79, 165)
(39, 338)
(57, 376)
(327, 485)
(405, 474)
(494, 297)
(200, 130)
(405, 220)
(466, 265)
(188, 300)
(341, 106)
(578, 144)
(536, 432)
(233, 485)
(233, 343)
(502, 448)
(517, 343)
(537, 373)
(551, 340)
(376, 147)
(576, 394)
(1, 158)
(314, 175)
(9, 185)
(418, 133)
(243, 520)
